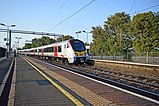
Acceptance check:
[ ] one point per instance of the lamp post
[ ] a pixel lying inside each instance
(78, 33)
(16, 44)
(87, 34)
(18, 40)
(8, 51)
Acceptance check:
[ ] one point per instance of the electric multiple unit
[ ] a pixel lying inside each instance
(71, 51)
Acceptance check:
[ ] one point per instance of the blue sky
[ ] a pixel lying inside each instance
(43, 15)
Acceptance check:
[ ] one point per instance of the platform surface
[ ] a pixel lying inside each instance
(32, 88)
(4, 67)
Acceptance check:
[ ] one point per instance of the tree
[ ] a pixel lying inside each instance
(45, 41)
(145, 30)
(97, 34)
(116, 28)
(42, 41)
(67, 37)
(36, 42)
(113, 38)
(27, 46)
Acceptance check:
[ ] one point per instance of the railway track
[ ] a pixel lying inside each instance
(142, 85)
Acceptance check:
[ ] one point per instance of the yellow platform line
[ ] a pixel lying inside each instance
(67, 94)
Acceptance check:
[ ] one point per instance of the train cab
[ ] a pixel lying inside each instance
(78, 53)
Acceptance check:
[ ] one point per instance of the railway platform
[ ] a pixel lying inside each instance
(35, 82)
(30, 87)
(4, 67)
(2, 58)
(5, 75)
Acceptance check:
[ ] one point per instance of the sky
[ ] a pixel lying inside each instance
(44, 15)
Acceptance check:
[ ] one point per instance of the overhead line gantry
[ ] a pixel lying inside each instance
(27, 32)
(31, 32)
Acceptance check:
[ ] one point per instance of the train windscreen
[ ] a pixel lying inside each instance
(78, 45)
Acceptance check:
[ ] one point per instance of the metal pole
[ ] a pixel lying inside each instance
(8, 31)
(87, 34)
(62, 37)
(7, 40)
(18, 42)
(77, 35)
(87, 37)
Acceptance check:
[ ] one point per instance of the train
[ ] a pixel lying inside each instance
(71, 51)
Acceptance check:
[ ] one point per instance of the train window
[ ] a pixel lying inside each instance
(52, 49)
(68, 46)
(59, 48)
(48, 49)
(39, 50)
(45, 49)
(78, 45)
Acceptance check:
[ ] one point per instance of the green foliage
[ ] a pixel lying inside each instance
(121, 35)
(113, 38)
(144, 29)
(39, 42)
(18, 48)
(27, 46)
(35, 42)
(67, 37)
(44, 41)
(97, 34)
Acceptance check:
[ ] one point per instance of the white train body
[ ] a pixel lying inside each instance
(72, 51)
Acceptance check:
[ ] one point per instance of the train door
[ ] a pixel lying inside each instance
(69, 54)
(65, 50)
(55, 51)
(42, 52)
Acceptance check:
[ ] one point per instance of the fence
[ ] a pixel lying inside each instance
(152, 57)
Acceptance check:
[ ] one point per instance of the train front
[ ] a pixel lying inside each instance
(80, 55)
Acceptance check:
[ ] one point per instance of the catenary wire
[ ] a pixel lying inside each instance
(55, 12)
(71, 15)
(145, 9)
(132, 6)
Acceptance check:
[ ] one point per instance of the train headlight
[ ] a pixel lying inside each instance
(85, 54)
(76, 54)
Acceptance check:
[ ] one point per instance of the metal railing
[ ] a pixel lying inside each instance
(151, 57)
